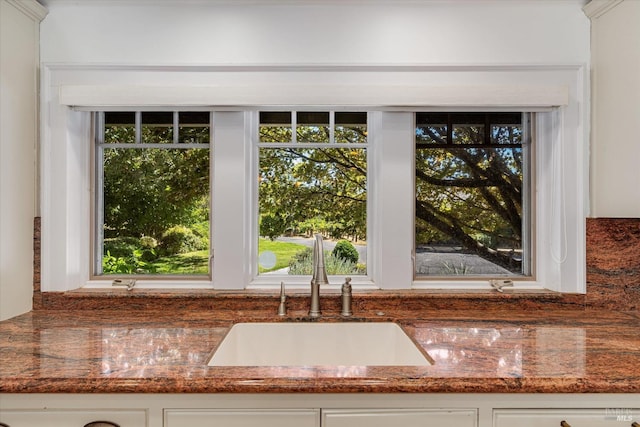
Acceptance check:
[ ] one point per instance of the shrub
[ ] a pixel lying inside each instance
(148, 242)
(131, 264)
(201, 229)
(345, 250)
(272, 226)
(180, 240)
(302, 264)
(149, 255)
(121, 247)
(302, 256)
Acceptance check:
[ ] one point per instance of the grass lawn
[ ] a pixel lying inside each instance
(283, 251)
(196, 262)
(189, 263)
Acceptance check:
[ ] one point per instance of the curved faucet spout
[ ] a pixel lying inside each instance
(319, 271)
(319, 276)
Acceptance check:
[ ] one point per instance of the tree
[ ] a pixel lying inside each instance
(321, 186)
(147, 191)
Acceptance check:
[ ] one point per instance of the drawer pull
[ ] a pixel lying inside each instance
(564, 424)
(101, 424)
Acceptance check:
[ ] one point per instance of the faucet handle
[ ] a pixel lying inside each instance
(346, 298)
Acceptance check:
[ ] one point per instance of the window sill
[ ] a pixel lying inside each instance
(418, 303)
(152, 284)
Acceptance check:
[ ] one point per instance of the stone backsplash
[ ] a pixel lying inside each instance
(613, 263)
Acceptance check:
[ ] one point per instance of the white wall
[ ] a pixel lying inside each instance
(615, 141)
(18, 133)
(310, 32)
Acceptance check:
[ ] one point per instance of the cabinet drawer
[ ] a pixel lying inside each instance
(241, 418)
(72, 418)
(599, 417)
(400, 418)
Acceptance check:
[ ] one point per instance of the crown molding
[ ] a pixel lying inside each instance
(31, 8)
(597, 8)
(183, 3)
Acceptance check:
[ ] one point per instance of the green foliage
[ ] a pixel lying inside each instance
(302, 264)
(345, 250)
(302, 256)
(457, 269)
(148, 242)
(321, 190)
(132, 264)
(121, 246)
(272, 225)
(180, 240)
(201, 229)
(148, 190)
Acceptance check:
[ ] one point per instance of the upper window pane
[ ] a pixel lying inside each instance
(312, 126)
(432, 128)
(157, 127)
(470, 134)
(194, 127)
(120, 128)
(350, 127)
(275, 126)
(471, 210)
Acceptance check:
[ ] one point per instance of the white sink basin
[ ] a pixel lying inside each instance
(318, 344)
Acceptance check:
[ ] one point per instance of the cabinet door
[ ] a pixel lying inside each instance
(241, 418)
(73, 418)
(400, 418)
(602, 417)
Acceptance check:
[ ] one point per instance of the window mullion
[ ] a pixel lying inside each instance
(332, 127)
(294, 127)
(138, 127)
(176, 127)
(527, 185)
(99, 195)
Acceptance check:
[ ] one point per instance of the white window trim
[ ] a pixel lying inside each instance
(562, 146)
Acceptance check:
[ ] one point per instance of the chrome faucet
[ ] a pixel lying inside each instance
(319, 276)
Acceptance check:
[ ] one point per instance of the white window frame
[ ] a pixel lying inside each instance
(99, 147)
(561, 166)
(527, 145)
(273, 281)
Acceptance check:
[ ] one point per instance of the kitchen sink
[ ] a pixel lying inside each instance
(318, 344)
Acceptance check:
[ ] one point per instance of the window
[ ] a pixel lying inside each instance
(472, 200)
(312, 179)
(553, 94)
(152, 193)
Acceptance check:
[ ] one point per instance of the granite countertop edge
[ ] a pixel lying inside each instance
(242, 386)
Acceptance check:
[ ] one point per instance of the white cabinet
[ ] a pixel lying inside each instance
(400, 418)
(73, 418)
(312, 418)
(599, 417)
(241, 418)
(321, 409)
(19, 64)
